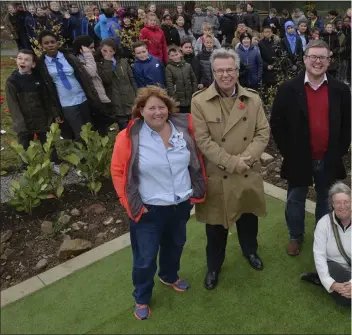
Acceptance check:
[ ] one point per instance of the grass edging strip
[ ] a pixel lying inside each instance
(60, 271)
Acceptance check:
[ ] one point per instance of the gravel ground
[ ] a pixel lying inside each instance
(5, 181)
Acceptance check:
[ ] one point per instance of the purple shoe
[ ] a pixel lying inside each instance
(179, 285)
(142, 312)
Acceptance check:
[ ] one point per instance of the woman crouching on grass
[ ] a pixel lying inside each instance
(157, 171)
(332, 247)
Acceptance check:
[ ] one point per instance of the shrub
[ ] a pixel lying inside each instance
(92, 157)
(38, 181)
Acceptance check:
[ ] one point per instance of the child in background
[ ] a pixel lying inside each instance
(314, 34)
(88, 23)
(83, 49)
(10, 23)
(96, 12)
(330, 37)
(70, 88)
(30, 23)
(189, 56)
(28, 102)
(205, 76)
(107, 27)
(154, 38)
(147, 69)
(197, 21)
(207, 30)
(181, 81)
(118, 81)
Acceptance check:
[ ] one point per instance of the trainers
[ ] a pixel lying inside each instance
(142, 312)
(179, 285)
(311, 277)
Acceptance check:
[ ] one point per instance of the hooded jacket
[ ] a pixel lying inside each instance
(253, 61)
(205, 75)
(181, 82)
(295, 19)
(197, 21)
(251, 20)
(318, 24)
(149, 72)
(28, 103)
(120, 86)
(108, 28)
(155, 39)
(214, 21)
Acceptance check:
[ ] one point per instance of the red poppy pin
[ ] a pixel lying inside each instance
(241, 105)
(9, 142)
(7, 110)
(35, 136)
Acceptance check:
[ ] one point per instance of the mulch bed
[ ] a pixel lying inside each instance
(29, 244)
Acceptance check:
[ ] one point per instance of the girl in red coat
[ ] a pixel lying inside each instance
(154, 37)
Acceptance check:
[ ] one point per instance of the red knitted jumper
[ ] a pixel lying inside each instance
(318, 115)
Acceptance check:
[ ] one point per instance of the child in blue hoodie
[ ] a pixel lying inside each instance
(107, 27)
(147, 69)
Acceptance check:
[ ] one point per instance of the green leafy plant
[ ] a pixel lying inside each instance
(38, 181)
(92, 157)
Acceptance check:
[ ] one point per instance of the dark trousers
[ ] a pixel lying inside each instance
(25, 140)
(296, 202)
(341, 275)
(162, 229)
(77, 116)
(247, 230)
(185, 109)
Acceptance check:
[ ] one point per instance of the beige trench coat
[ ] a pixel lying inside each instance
(246, 133)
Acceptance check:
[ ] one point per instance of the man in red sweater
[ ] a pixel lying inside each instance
(311, 125)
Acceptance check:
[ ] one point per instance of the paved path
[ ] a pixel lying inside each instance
(8, 52)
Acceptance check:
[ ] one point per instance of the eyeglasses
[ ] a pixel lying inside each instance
(221, 72)
(314, 58)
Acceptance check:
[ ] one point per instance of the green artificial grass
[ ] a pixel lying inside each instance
(97, 299)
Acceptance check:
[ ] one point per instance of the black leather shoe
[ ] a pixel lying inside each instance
(255, 262)
(211, 280)
(311, 277)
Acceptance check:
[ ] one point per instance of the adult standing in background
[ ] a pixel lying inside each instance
(311, 125)
(231, 131)
(251, 18)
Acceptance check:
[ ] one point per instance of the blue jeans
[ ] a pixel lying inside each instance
(162, 229)
(296, 202)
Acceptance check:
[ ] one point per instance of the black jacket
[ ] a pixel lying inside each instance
(298, 54)
(333, 43)
(290, 128)
(171, 35)
(228, 25)
(282, 22)
(192, 60)
(251, 20)
(274, 20)
(28, 103)
(205, 75)
(82, 77)
(269, 52)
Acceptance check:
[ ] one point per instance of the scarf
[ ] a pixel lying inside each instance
(291, 38)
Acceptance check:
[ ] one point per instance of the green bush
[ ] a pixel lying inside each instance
(38, 181)
(92, 157)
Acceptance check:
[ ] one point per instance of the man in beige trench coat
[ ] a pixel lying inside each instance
(231, 131)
